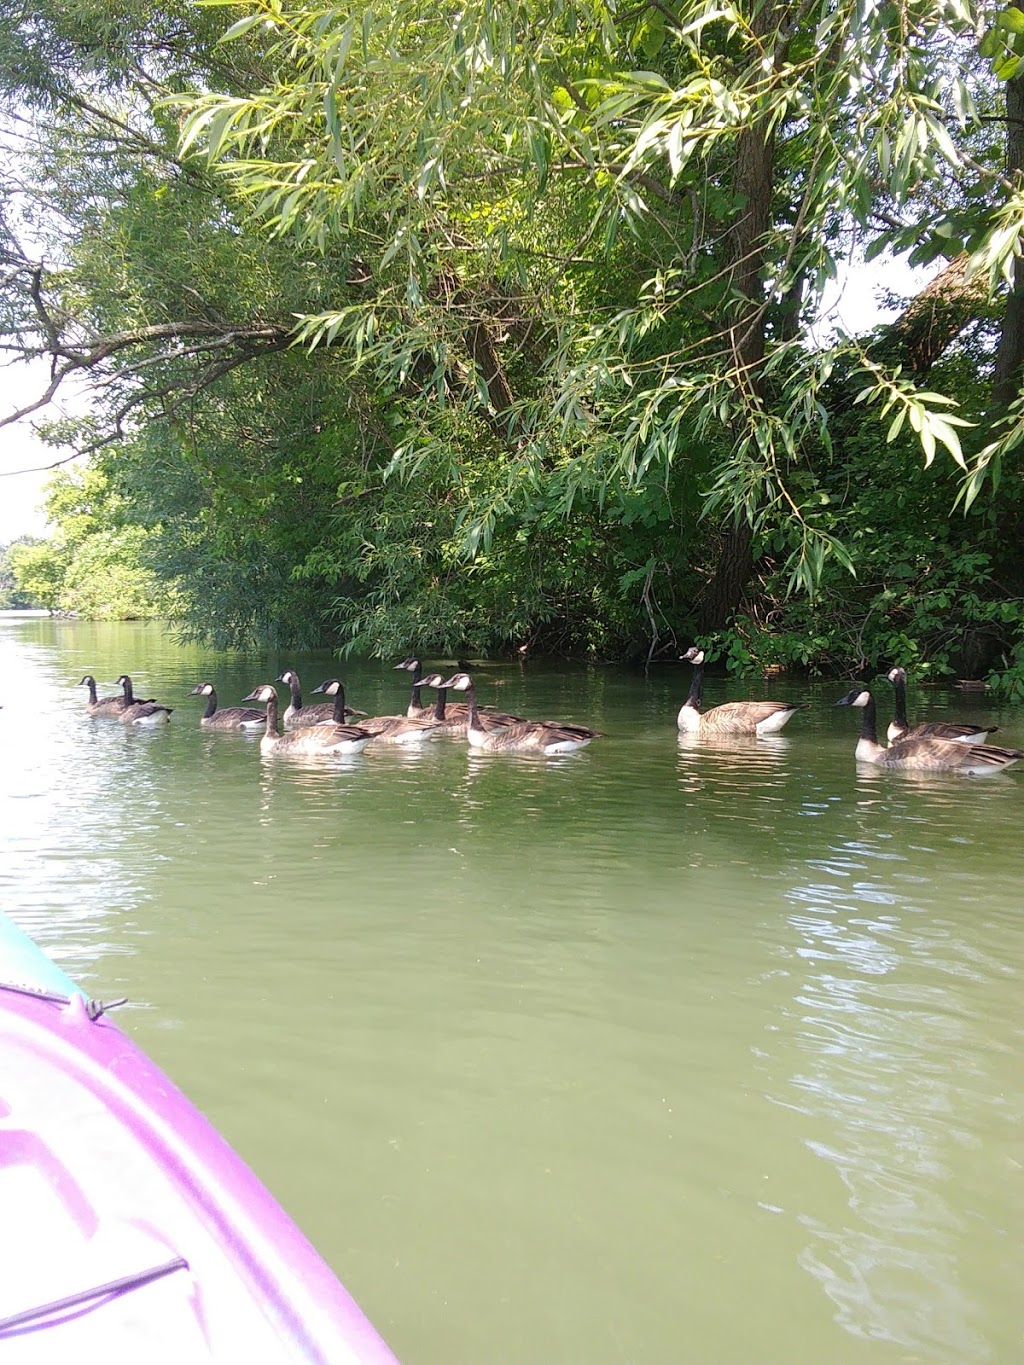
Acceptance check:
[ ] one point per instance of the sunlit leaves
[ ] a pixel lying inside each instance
(987, 466)
(924, 412)
(1003, 43)
(1000, 243)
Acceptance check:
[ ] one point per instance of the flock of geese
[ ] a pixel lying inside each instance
(324, 728)
(934, 746)
(334, 728)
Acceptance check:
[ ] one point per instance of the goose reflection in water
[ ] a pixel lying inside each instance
(747, 747)
(322, 786)
(731, 786)
(728, 764)
(921, 796)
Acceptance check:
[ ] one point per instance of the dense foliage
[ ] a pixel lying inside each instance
(463, 332)
(14, 595)
(95, 563)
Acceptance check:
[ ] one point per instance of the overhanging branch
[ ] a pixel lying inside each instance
(197, 336)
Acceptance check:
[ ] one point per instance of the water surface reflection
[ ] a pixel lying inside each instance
(657, 1051)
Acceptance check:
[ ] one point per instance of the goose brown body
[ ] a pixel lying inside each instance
(455, 715)
(148, 712)
(104, 708)
(226, 717)
(325, 740)
(526, 736)
(383, 729)
(297, 715)
(732, 717)
(927, 753)
(450, 720)
(454, 719)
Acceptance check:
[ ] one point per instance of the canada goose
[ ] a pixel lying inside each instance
(450, 720)
(900, 728)
(384, 729)
(526, 736)
(733, 717)
(416, 710)
(296, 715)
(456, 715)
(927, 754)
(136, 712)
(107, 708)
(308, 739)
(228, 717)
(454, 719)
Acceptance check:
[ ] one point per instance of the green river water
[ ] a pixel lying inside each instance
(652, 1053)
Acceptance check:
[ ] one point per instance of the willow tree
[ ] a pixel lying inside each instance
(482, 169)
(534, 259)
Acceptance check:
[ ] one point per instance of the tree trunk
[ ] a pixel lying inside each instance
(724, 592)
(753, 182)
(1006, 382)
(485, 356)
(934, 319)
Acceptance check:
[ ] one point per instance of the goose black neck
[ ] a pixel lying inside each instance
(272, 715)
(442, 700)
(474, 712)
(211, 704)
(296, 691)
(696, 683)
(339, 706)
(417, 696)
(901, 704)
(129, 692)
(868, 727)
(91, 685)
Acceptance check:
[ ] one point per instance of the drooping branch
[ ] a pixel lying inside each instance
(230, 343)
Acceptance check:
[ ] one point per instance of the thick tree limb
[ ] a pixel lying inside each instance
(936, 316)
(244, 340)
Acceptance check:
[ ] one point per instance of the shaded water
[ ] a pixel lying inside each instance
(651, 1053)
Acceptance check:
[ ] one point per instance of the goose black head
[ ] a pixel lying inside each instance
(858, 696)
(265, 692)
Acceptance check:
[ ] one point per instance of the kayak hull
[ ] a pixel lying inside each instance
(112, 1174)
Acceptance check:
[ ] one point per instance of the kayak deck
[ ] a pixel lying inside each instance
(108, 1174)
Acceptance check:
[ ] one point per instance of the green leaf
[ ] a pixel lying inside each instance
(241, 26)
(896, 426)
